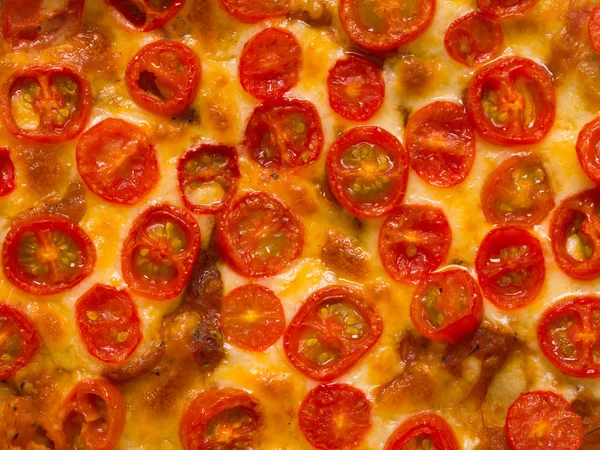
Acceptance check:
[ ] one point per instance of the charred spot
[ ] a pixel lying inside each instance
(405, 113)
(190, 116)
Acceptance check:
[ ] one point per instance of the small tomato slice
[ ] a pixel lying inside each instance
(159, 252)
(18, 340)
(588, 150)
(117, 161)
(569, 336)
(594, 29)
(505, 9)
(145, 15)
(425, 430)
(333, 329)
(473, 38)
(441, 143)
(47, 254)
(335, 417)
(7, 172)
(256, 10)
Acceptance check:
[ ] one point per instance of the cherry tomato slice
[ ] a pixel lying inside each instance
(46, 254)
(227, 418)
(588, 149)
(163, 77)
(512, 101)
(159, 252)
(367, 168)
(252, 317)
(385, 25)
(356, 88)
(7, 172)
(424, 430)
(569, 335)
(441, 143)
(109, 323)
(335, 417)
(208, 178)
(48, 103)
(259, 236)
(594, 29)
(473, 38)
(518, 192)
(117, 161)
(333, 329)
(575, 234)
(505, 9)
(447, 306)
(93, 415)
(270, 64)
(510, 266)
(145, 15)
(543, 419)
(413, 242)
(256, 10)
(18, 340)
(284, 133)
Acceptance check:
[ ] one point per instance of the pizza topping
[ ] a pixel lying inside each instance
(7, 172)
(594, 29)
(256, 10)
(18, 340)
(473, 38)
(345, 256)
(588, 407)
(505, 9)
(588, 149)
(423, 431)
(145, 15)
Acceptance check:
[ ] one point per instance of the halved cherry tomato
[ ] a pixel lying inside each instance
(518, 192)
(543, 419)
(284, 133)
(594, 29)
(424, 430)
(256, 10)
(510, 266)
(18, 340)
(473, 38)
(512, 101)
(575, 233)
(270, 64)
(385, 25)
(569, 335)
(259, 236)
(447, 306)
(441, 143)
(117, 161)
(588, 149)
(93, 415)
(333, 329)
(356, 88)
(163, 77)
(226, 418)
(335, 417)
(7, 172)
(109, 323)
(46, 254)
(367, 168)
(208, 178)
(505, 9)
(48, 103)
(159, 252)
(145, 15)
(413, 242)
(252, 317)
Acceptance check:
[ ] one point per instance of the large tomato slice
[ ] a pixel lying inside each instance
(256, 10)
(18, 340)
(145, 15)
(7, 172)
(423, 431)
(588, 149)
(473, 38)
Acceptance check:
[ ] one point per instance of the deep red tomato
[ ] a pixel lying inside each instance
(356, 88)
(117, 161)
(163, 77)
(447, 306)
(588, 149)
(259, 236)
(109, 323)
(510, 267)
(543, 419)
(256, 10)
(50, 103)
(385, 25)
(159, 252)
(7, 172)
(19, 340)
(569, 336)
(46, 254)
(425, 430)
(473, 38)
(518, 192)
(252, 317)
(333, 329)
(284, 133)
(208, 178)
(414, 241)
(441, 143)
(505, 9)
(335, 417)
(512, 101)
(367, 168)
(145, 15)
(575, 234)
(226, 418)
(270, 64)
(93, 415)
(594, 29)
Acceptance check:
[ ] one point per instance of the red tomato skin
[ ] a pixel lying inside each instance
(425, 423)
(588, 144)
(466, 27)
(7, 172)
(252, 11)
(151, 21)
(28, 339)
(495, 8)
(594, 29)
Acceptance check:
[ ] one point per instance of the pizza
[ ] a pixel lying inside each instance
(300, 224)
